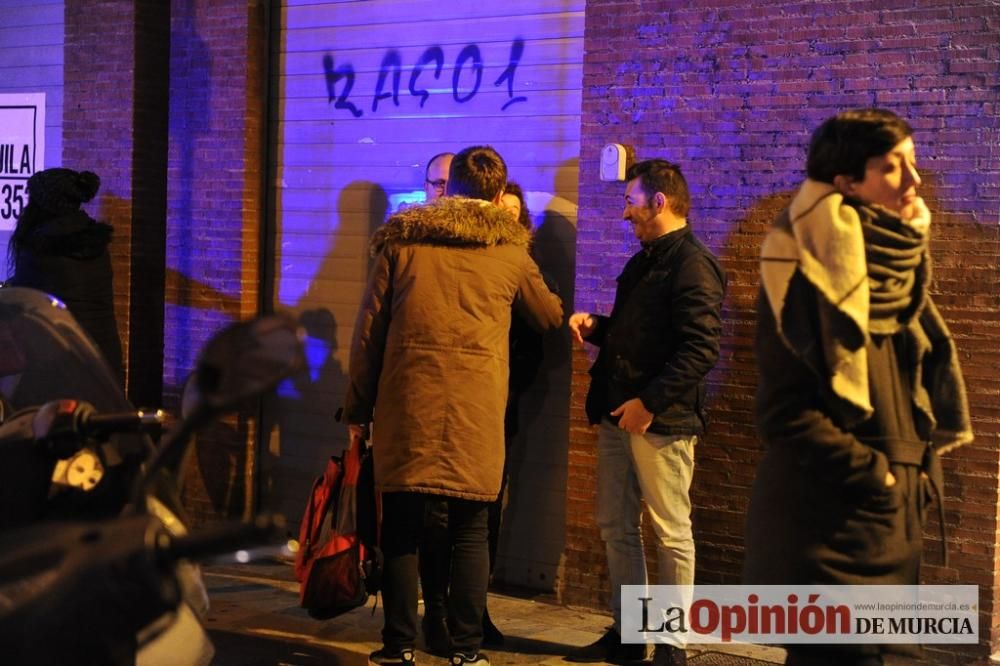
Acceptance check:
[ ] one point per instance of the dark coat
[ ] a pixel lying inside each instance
(526, 355)
(820, 511)
(847, 393)
(67, 257)
(843, 398)
(662, 336)
(429, 359)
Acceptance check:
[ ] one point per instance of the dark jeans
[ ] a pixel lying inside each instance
(435, 552)
(402, 525)
(435, 558)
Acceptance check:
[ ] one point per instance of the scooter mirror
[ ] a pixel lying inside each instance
(244, 360)
(240, 362)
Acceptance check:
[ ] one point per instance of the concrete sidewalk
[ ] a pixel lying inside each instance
(256, 620)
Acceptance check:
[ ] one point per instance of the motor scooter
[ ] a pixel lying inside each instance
(96, 559)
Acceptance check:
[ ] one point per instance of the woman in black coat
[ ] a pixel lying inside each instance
(59, 249)
(860, 389)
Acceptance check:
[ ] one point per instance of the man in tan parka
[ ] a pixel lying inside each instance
(429, 369)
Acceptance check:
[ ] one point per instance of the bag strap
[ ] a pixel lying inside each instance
(317, 484)
(308, 518)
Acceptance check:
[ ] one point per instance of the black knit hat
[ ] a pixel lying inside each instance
(62, 190)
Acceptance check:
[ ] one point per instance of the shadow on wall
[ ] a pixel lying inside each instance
(215, 474)
(966, 289)
(728, 454)
(377, 210)
(301, 426)
(534, 523)
(190, 125)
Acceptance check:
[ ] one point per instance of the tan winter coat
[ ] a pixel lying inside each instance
(429, 356)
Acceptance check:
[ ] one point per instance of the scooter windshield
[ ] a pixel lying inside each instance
(45, 355)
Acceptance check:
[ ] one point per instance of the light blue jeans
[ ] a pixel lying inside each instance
(657, 469)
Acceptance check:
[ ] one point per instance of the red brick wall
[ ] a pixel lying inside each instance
(215, 210)
(731, 92)
(166, 101)
(98, 130)
(185, 198)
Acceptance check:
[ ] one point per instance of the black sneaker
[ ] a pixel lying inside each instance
(436, 637)
(404, 657)
(460, 658)
(668, 655)
(608, 647)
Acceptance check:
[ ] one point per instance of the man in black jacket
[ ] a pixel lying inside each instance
(647, 392)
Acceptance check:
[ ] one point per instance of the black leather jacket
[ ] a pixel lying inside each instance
(662, 336)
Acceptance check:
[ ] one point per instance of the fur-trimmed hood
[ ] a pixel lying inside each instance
(431, 345)
(451, 221)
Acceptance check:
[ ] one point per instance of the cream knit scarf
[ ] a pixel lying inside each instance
(822, 238)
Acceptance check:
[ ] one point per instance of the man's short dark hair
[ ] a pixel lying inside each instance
(477, 172)
(843, 144)
(427, 169)
(666, 177)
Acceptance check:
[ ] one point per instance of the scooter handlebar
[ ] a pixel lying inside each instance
(114, 422)
(75, 418)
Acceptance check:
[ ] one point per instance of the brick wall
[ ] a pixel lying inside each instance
(98, 127)
(214, 212)
(115, 125)
(185, 198)
(731, 92)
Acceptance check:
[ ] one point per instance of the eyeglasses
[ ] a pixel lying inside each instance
(439, 184)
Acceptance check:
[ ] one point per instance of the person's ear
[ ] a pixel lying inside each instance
(659, 202)
(844, 184)
(498, 199)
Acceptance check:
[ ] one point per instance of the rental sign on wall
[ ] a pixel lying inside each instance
(22, 151)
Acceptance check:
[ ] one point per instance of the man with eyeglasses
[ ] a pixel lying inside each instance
(436, 176)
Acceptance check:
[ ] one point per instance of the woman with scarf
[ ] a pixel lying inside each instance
(860, 389)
